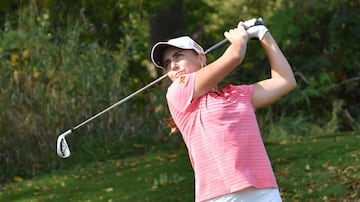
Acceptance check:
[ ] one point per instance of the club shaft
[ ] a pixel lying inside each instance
(217, 45)
(120, 102)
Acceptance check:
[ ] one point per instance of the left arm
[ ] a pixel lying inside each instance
(282, 79)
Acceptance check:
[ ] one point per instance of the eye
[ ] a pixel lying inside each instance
(167, 65)
(178, 55)
(175, 57)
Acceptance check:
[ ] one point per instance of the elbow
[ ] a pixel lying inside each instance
(289, 84)
(292, 84)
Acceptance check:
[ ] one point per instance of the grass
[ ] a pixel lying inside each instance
(313, 169)
(318, 169)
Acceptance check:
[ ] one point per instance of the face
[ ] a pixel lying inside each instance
(179, 61)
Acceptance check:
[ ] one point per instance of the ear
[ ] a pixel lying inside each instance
(202, 60)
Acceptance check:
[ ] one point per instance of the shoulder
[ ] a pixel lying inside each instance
(182, 83)
(181, 91)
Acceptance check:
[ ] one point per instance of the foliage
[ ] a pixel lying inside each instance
(325, 63)
(53, 79)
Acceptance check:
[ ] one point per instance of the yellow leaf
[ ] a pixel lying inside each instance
(307, 167)
(110, 189)
(118, 164)
(173, 156)
(159, 158)
(14, 58)
(18, 179)
(36, 74)
(25, 54)
(16, 75)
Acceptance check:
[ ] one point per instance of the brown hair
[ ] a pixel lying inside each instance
(171, 124)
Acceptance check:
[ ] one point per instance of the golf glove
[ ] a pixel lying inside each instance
(257, 32)
(250, 23)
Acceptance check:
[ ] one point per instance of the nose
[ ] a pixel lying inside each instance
(174, 66)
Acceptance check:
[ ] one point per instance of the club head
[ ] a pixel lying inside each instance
(62, 147)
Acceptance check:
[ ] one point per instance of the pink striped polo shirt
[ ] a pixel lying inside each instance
(222, 136)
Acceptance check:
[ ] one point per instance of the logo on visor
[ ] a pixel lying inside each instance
(182, 80)
(197, 47)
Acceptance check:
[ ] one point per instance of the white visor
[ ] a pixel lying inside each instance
(183, 42)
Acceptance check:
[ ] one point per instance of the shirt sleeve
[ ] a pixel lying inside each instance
(246, 91)
(250, 94)
(181, 91)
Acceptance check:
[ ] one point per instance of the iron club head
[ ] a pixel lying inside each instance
(62, 147)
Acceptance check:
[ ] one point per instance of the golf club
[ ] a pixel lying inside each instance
(62, 147)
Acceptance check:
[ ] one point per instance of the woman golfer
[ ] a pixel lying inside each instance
(219, 126)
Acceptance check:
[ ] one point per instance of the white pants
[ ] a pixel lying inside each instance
(250, 195)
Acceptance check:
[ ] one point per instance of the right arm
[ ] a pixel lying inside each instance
(209, 77)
